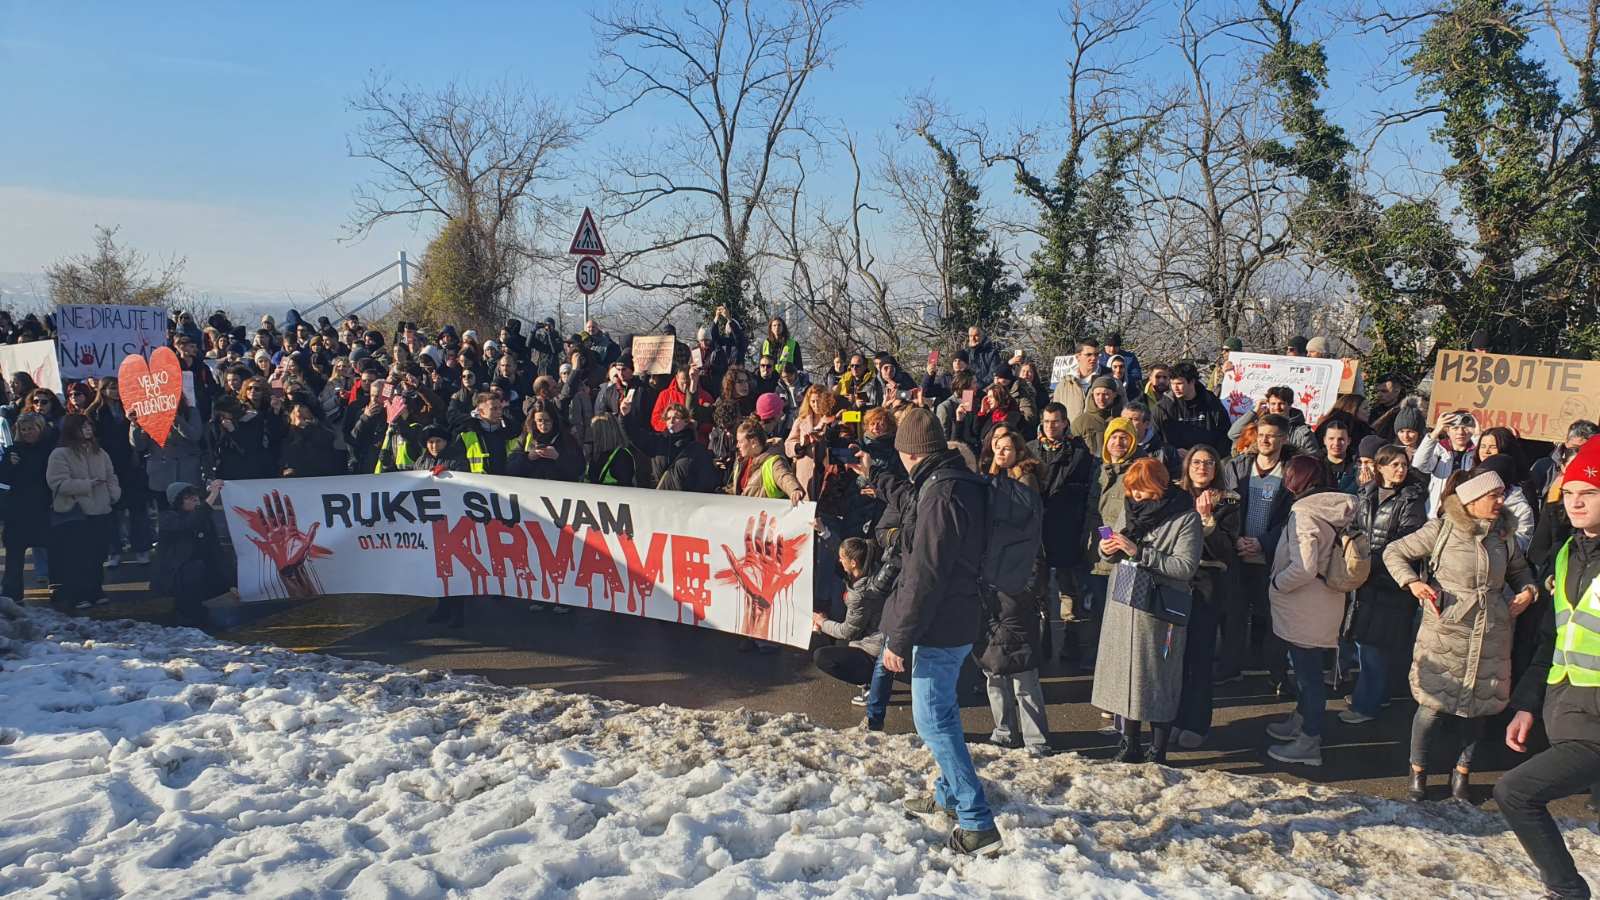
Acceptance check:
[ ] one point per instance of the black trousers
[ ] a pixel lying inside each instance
(17, 542)
(1199, 656)
(1246, 616)
(1567, 768)
(77, 553)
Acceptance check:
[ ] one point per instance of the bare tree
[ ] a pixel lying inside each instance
(479, 160)
(113, 274)
(851, 296)
(734, 74)
(1212, 214)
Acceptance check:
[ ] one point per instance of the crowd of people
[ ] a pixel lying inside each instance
(1179, 547)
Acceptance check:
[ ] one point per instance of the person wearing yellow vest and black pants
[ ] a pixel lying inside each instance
(402, 440)
(481, 440)
(1563, 684)
(761, 471)
(481, 444)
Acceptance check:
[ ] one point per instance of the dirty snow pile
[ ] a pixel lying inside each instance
(140, 760)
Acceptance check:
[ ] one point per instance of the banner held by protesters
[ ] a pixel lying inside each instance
(735, 564)
(1247, 376)
(1536, 397)
(92, 339)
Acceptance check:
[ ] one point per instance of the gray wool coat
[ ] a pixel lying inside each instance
(1138, 673)
(1462, 662)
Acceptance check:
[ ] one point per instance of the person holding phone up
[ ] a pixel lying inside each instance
(1448, 449)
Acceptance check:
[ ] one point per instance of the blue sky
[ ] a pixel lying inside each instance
(217, 131)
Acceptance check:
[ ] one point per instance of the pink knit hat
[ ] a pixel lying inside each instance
(769, 406)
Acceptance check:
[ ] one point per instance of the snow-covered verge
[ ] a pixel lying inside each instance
(146, 761)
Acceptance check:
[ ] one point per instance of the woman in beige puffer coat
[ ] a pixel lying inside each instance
(83, 486)
(1461, 667)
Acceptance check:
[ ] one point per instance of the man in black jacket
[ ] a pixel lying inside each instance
(982, 356)
(1563, 684)
(1257, 477)
(1191, 414)
(1066, 468)
(932, 620)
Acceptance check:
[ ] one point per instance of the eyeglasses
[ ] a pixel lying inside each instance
(1205, 463)
(858, 365)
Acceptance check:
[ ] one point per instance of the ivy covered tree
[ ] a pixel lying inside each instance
(1523, 163)
(978, 287)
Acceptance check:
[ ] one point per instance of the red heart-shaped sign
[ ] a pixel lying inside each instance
(150, 391)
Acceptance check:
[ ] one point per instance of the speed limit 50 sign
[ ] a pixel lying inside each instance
(588, 275)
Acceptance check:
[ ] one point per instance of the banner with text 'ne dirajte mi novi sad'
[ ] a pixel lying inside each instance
(736, 564)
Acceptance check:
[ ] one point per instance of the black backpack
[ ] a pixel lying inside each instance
(1013, 523)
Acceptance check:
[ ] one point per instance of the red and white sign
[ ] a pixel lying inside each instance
(1247, 377)
(150, 391)
(735, 564)
(588, 274)
(586, 241)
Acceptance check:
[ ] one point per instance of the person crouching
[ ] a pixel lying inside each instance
(189, 564)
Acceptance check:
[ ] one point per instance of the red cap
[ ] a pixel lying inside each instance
(1585, 467)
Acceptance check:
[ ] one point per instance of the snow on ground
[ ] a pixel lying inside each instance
(145, 761)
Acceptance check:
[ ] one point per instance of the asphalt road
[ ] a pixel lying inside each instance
(649, 662)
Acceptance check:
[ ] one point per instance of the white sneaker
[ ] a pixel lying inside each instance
(1351, 717)
(82, 604)
(102, 601)
(141, 559)
(859, 699)
(1285, 729)
(1304, 750)
(114, 561)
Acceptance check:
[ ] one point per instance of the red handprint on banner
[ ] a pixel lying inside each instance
(276, 533)
(767, 569)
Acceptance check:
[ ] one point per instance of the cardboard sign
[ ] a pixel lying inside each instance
(92, 339)
(652, 354)
(1351, 376)
(150, 391)
(1536, 397)
(1247, 377)
(36, 359)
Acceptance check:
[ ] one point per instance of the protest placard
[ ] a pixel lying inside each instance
(37, 359)
(652, 354)
(1536, 397)
(735, 564)
(94, 339)
(1247, 377)
(1060, 368)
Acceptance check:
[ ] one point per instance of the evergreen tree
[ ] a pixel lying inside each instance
(978, 289)
(1524, 163)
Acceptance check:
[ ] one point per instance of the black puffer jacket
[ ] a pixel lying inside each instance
(1382, 613)
(936, 601)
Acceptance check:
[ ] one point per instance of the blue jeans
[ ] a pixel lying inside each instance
(1313, 700)
(934, 708)
(879, 690)
(1372, 685)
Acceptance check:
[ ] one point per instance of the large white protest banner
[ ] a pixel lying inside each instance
(35, 358)
(93, 338)
(1247, 377)
(736, 564)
